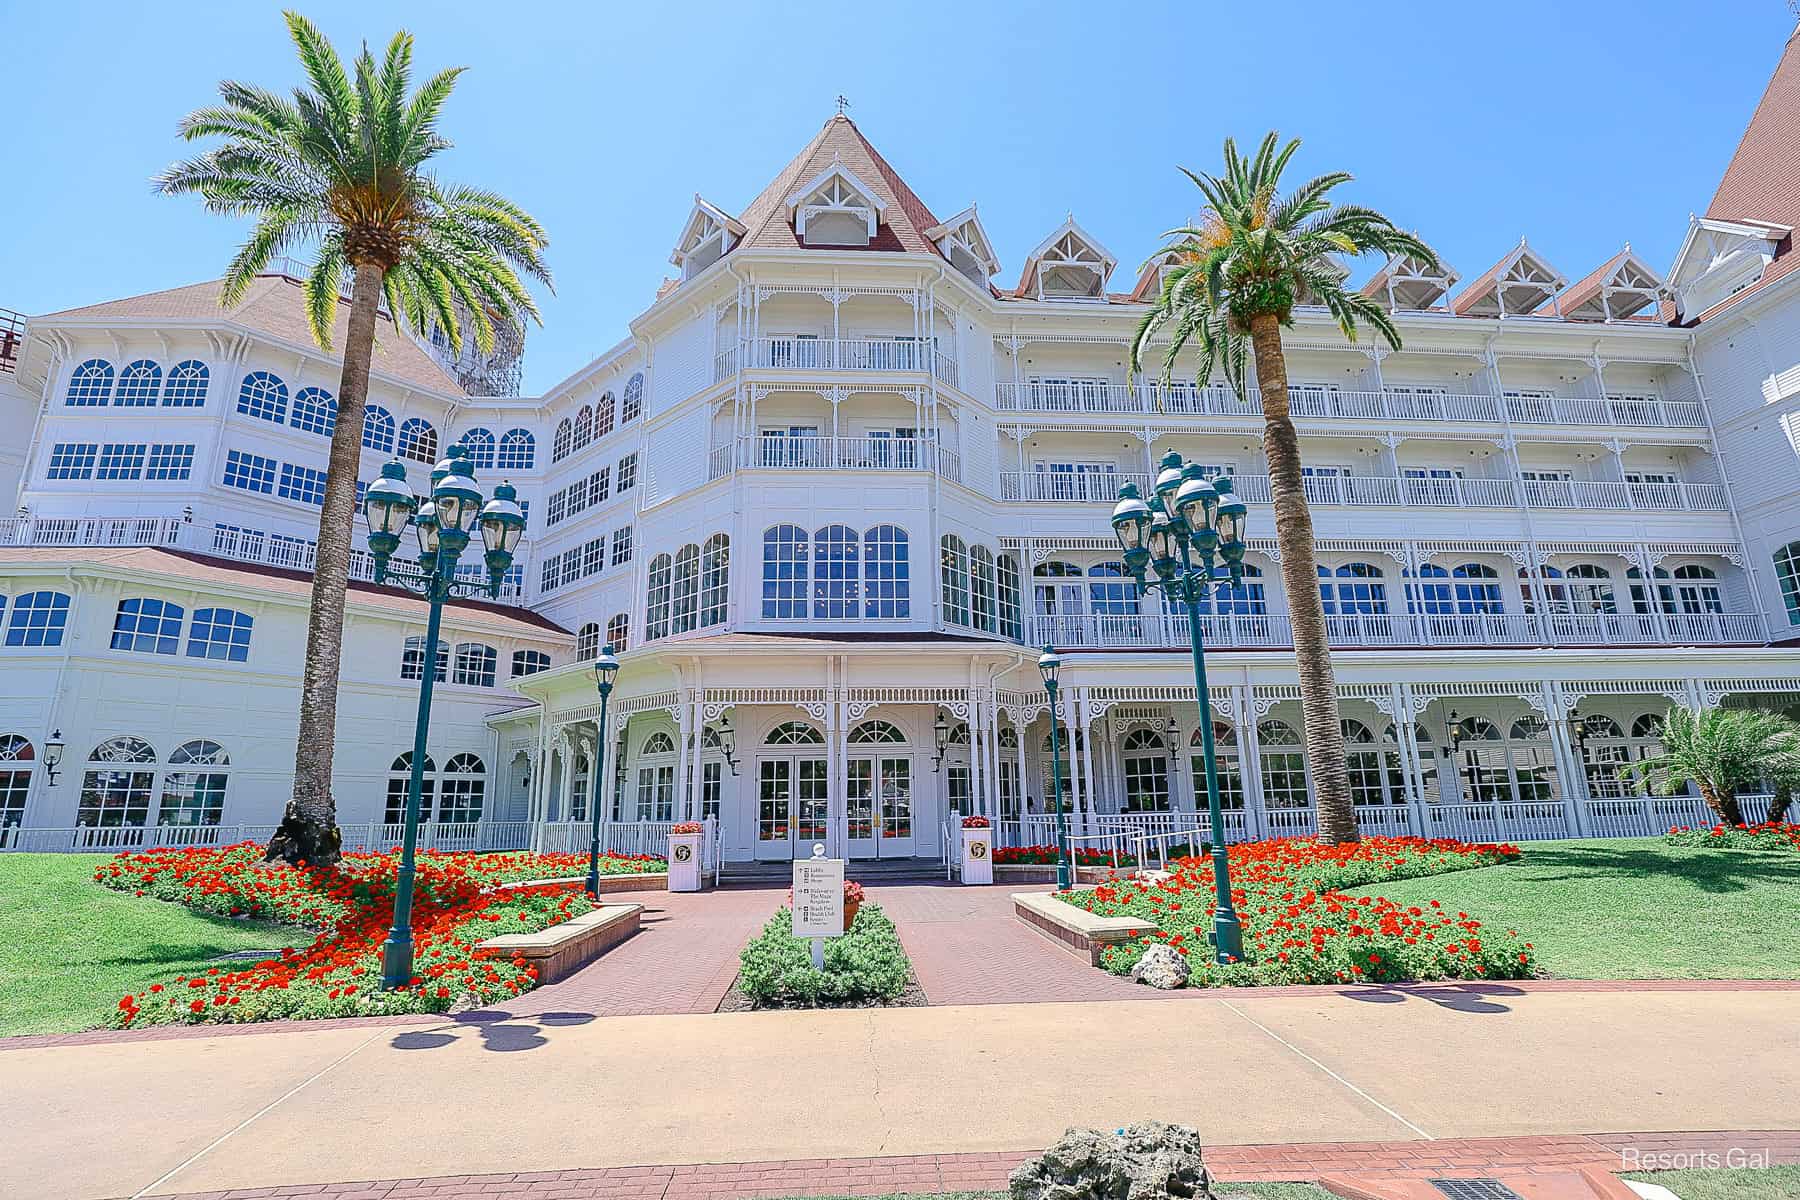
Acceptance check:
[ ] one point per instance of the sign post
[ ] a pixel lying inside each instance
(818, 900)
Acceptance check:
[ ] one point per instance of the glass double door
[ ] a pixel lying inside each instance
(792, 807)
(878, 803)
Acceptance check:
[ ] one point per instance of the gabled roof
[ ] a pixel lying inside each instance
(964, 231)
(1404, 282)
(1149, 281)
(1068, 245)
(1622, 286)
(904, 217)
(1518, 284)
(274, 305)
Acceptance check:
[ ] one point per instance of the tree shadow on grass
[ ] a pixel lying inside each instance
(1705, 869)
(163, 954)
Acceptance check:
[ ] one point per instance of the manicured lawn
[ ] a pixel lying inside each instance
(1747, 1183)
(1634, 908)
(70, 948)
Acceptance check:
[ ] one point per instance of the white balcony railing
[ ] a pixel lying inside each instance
(1185, 398)
(819, 452)
(837, 354)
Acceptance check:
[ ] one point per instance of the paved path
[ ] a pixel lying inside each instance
(554, 1093)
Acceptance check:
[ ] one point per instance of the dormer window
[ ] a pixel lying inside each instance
(1719, 259)
(1406, 283)
(836, 209)
(1623, 287)
(1517, 285)
(1068, 265)
(708, 235)
(965, 244)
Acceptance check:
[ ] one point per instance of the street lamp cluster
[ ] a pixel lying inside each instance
(1190, 534)
(442, 522)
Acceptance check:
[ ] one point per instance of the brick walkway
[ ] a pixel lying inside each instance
(931, 1173)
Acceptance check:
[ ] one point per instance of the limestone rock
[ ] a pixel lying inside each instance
(1147, 1161)
(1162, 967)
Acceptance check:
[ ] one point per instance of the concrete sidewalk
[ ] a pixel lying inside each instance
(560, 1092)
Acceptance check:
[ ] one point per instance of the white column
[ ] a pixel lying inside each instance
(1087, 765)
(684, 729)
(1250, 765)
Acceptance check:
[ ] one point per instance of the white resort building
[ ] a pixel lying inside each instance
(842, 477)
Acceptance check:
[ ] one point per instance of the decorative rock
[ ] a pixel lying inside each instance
(1148, 1161)
(1162, 967)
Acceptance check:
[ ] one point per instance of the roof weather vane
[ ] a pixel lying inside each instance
(843, 102)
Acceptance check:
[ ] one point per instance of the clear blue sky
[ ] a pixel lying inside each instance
(1580, 125)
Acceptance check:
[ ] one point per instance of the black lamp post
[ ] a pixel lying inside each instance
(442, 523)
(1191, 517)
(606, 667)
(1050, 666)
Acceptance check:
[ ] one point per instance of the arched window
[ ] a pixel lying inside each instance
(117, 785)
(887, 581)
(582, 778)
(16, 757)
(1640, 596)
(219, 633)
(1590, 589)
(529, 662)
(984, 600)
(1647, 726)
(1146, 771)
(794, 733)
(686, 589)
(147, 626)
(562, 440)
(399, 775)
(1697, 589)
(1230, 764)
(1787, 573)
(139, 385)
(1009, 739)
(186, 385)
(90, 384)
(877, 733)
(1373, 764)
(1548, 593)
(378, 429)
(1477, 588)
(315, 411)
(462, 790)
(1111, 592)
(418, 440)
(1431, 595)
(618, 631)
(263, 395)
(194, 796)
(38, 619)
(634, 399)
(836, 572)
(785, 575)
(584, 426)
(1246, 599)
(412, 660)
(656, 601)
(955, 555)
(656, 779)
(518, 450)
(715, 580)
(1006, 571)
(604, 413)
(479, 443)
(587, 642)
(476, 665)
(659, 743)
(1283, 770)
(1354, 588)
(959, 734)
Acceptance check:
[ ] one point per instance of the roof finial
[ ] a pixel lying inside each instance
(843, 101)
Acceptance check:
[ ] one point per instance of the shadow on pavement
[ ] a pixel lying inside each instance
(1461, 997)
(499, 1031)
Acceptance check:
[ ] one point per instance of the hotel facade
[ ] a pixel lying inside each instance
(839, 482)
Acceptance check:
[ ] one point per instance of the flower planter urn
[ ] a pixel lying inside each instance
(684, 861)
(977, 855)
(850, 907)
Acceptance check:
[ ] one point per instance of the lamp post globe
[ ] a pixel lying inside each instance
(606, 669)
(1169, 478)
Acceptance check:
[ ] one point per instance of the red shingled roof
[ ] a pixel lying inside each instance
(903, 224)
(1762, 181)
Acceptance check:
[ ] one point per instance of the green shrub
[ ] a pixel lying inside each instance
(866, 964)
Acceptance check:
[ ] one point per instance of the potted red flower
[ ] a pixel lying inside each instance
(686, 855)
(853, 898)
(976, 823)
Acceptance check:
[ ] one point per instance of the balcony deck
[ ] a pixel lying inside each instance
(824, 453)
(896, 355)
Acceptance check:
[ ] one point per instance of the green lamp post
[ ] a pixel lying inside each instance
(442, 524)
(1188, 518)
(1050, 666)
(606, 667)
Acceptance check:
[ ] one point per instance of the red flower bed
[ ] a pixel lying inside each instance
(351, 906)
(1299, 926)
(1082, 856)
(1770, 835)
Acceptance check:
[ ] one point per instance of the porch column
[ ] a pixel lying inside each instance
(837, 770)
(565, 785)
(1575, 788)
(1410, 765)
(1087, 762)
(684, 729)
(1256, 816)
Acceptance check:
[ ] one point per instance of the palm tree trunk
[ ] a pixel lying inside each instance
(309, 831)
(1723, 803)
(1299, 577)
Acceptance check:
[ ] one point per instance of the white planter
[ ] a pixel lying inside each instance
(978, 855)
(684, 861)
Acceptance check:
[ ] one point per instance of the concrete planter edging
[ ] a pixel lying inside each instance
(561, 950)
(1074, 929)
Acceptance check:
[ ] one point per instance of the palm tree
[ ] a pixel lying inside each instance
(339, 169)
(1719, 751)
(1253, 255)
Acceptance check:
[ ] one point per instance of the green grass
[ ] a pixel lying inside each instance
(70, 948)
(1742, 1183)
(1634, 908)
